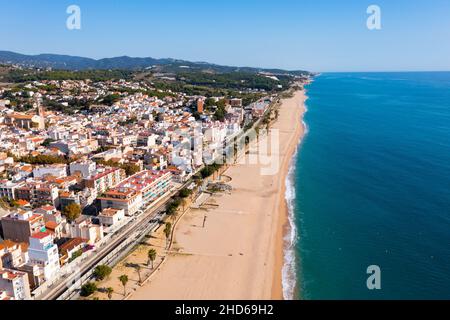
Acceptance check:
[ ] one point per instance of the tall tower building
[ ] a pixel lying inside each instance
(41, 112)
(40, 115)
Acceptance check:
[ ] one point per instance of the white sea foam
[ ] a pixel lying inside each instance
(290, 239)
(289, 272)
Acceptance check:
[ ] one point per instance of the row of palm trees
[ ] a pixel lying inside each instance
(151, 254)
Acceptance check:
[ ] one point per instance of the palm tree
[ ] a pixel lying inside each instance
(167, 232)
(110, 292)
(124, 280)
(184, 203)
(151, 256)
(138, 269)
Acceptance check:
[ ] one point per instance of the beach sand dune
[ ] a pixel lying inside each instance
(239, 253)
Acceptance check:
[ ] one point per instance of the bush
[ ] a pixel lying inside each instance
(173, 206)
(101, 272)
(72, 211)
(209, 170)
(76, 255)
(88, 289)
(41, 159)
(184, 193)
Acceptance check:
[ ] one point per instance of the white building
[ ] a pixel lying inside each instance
(50, 214)
(84, 228)
(44, 253)
(56, 170)
(58, 134)
(104, 179)
(146, 140)
(122, 198)
(14, 284)
(86, 168)
(8, 189)
(140, 189)
(110, 216)
(215, 134)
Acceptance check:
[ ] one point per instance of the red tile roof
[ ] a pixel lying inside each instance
(40, 235)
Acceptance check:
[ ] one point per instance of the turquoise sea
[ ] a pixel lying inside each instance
(372, 187)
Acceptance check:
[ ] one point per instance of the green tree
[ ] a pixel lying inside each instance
(151, 257)
(210, 102)
(184, 202)
(72, 211)
(173, 206)
(138, 270)
(130, 169)
(110, 99)
(47, 142)
(124, 280)
(88, 289)
(167, 232)
(102, 271)
(110, 292)
(184, 193)
(219, 115)
(76, 255)
(41, 159)
(221, 104)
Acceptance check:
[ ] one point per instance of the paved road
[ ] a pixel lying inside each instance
(139, 224)
(134, 229)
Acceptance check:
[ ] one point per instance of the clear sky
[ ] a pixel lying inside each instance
(317, 35)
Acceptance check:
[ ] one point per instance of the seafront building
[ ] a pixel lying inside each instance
(110, 217)
(125, 199)
(111, 160)
(137, 191)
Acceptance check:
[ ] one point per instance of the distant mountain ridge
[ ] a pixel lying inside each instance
(66, 62)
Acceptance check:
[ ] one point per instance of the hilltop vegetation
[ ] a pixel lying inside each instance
(168, 65)
(25, 75)
(235, 80)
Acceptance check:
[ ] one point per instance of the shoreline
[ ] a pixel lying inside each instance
(285, 227)
(239, 254)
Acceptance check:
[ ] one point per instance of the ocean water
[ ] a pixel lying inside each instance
(372, 187)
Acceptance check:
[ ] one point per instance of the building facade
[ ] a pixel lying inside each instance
(20, 225)
(44, 253)
(14, 284)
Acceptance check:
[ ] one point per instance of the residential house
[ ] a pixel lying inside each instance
(44, 253)
(20, 225)
(14, 284)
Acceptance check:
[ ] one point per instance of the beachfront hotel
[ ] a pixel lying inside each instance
(138, 190)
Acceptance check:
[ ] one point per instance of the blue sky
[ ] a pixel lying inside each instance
(318, 35)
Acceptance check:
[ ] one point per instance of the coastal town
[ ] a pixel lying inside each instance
(223, 159)
(85, 163)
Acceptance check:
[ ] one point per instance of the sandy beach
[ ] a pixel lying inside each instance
(239, 252)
